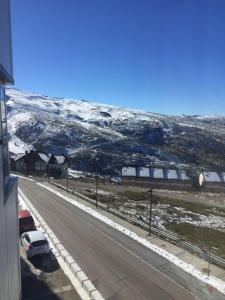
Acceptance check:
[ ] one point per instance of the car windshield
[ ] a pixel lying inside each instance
(39, 243)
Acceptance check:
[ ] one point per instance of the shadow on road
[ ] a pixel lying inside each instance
(33, 287)
(45, 262)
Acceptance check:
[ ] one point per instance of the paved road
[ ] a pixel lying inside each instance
(118, 266)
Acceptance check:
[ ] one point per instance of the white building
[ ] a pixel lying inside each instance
(129, 172)
(143, 172)
(10, 286)
(157, 173)
(211, 177)
(172, 174)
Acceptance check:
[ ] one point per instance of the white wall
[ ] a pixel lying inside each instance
(143, 172)
(5, 37)
(211, 177)
(129, 171)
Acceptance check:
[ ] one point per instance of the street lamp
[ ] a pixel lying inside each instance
(96, 190)
(67, 179)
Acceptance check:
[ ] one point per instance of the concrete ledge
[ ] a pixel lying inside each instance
(81, 276)
(64, 254)
(69, 260)
(75, 268)
(95, 295)
(55, 241)
(60, 247)
(89, 287)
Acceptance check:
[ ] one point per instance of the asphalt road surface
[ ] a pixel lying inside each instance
(119, 267)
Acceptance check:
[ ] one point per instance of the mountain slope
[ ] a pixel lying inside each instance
(120, 136)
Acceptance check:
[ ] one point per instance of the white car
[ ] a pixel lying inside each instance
(34, 242)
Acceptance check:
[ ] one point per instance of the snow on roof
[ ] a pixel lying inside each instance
(60, 159)
(143, 172)
(172, 174)
(19, 156)
(211, 176)
(183, 175)
(44, 157)
(223, 177)
(157, 173)
(128, 171)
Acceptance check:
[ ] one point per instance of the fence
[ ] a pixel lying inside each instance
(164, 234)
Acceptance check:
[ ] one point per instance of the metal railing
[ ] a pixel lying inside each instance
(164, 234)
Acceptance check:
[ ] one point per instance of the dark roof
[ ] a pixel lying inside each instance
(19, 156)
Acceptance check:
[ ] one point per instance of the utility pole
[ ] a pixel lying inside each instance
(96, 190)
(67, 180)
(209, 261)
(150, 211)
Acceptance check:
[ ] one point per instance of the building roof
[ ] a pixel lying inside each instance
(211, 176)
(60, 159)
(45, 157)
(182, 175)
(19, 156)
(223, 176)
(172, 174)
(157, 173)
(143, 172)
(128, 171)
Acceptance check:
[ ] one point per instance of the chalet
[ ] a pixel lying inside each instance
(32, 161)
(39, 162)
(57, 165)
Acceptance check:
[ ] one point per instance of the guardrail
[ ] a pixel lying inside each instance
(167, 235)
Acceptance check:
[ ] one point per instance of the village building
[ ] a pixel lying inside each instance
(212, 181)
(39, 163)
(157, 177)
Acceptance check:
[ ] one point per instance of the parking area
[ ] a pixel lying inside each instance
(42, 278)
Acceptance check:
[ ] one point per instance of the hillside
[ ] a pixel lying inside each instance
(120, 136)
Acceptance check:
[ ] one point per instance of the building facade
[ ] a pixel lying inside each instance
(173, 179)
(39, 163)
(10, 285)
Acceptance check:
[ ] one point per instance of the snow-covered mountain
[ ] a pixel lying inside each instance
(119, 136)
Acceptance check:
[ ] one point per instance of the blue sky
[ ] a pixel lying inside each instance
(164, 56)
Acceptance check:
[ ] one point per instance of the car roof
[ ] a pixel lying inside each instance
(24, 213)
(36, 235)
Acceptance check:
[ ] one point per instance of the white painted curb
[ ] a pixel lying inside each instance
(74, 267)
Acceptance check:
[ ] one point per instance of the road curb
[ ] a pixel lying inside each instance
(84, 281)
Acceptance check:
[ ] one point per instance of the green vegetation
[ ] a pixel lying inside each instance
(137, 196)
(191, 206)
(201, 236)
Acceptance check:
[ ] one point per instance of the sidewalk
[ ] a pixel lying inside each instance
(196, 261)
